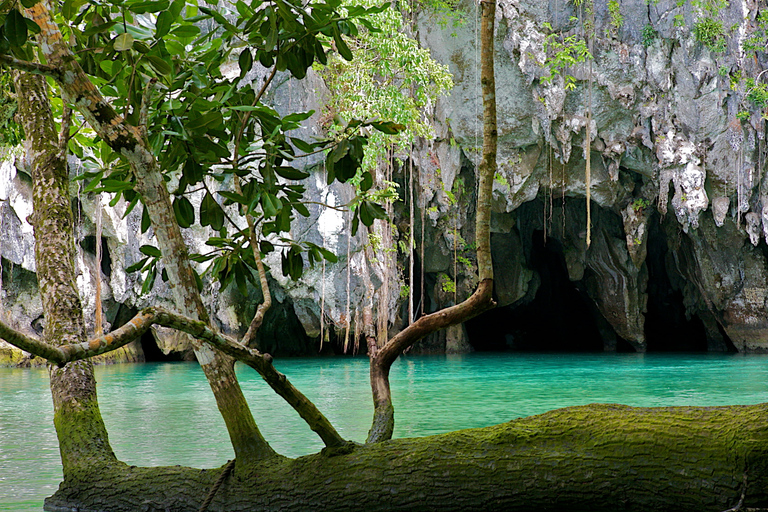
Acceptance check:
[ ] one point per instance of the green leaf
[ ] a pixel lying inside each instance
(366, 182)
(266, 247)
(123, 42)
(231, 196)
(71, 8)
(210, 120)
(32, 27)
(388, 127)
(150, 250)
(160, 65)
(28, 3)
(302, 209)
(186, 31)
(341, 46)
(163, 24)
(97, 29)
(149, 6)
(290, 173)
(15, 28)
(246, 61)
(184, 211)
(328, 255)
(137, 266)
(149, 282)
(302, 145)
(211, 213)
(270, 205)
(145, 221)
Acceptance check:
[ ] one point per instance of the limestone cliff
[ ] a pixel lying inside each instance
(673, 99)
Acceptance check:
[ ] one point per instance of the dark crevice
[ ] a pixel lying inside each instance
(668, 325)
(559, 318)
(89, 245)
(153, 354)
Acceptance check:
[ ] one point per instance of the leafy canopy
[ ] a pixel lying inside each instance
(184, 73)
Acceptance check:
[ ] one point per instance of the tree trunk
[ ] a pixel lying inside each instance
(128, 141)
(81, 432)
(383, 423)
(590, 458)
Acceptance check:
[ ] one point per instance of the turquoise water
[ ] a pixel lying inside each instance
(164, 414)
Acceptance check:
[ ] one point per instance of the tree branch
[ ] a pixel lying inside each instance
(383, 423)
(31, 67)
(139, 324)
(266, 303)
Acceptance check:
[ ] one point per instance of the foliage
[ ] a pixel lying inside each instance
(391, 77)
(11, 133)
(447, 11)
(640, 204)
(617, 20)
(710, 32)
(563, 53)
(447, 284)
(649, 35)
(206, 125)
(756, 92)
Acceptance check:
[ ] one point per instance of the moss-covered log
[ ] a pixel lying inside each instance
(590, 458)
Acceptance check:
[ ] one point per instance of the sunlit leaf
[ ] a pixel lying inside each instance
(123, 42)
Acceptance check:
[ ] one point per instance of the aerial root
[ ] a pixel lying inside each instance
(223, 476)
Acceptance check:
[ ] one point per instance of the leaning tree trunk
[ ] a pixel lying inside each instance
(128, 141)
(591, 458)
(383, 423)
(81, 432)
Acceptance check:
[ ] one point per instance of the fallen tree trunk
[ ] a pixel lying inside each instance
(589, 458)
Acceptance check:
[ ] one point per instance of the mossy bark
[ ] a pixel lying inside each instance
(81, 432)
(591, 458)
(129, 142)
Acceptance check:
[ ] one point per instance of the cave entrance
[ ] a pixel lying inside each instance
(152, 353)
(668, 328)
(560, 317)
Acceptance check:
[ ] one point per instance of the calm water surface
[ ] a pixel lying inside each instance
(164, 414)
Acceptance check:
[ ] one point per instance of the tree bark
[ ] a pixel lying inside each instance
(383, 423)
(591, 458)
(81, 432)
(128, 141)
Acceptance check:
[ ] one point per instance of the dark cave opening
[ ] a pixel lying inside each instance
(668, 328)
(89, 245)
(560, 317)
(152, 353)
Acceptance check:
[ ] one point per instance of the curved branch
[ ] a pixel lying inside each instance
(481, 300)
(139, 324)
(31, 67)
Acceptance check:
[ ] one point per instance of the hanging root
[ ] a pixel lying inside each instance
(223, 476)
(740, 505)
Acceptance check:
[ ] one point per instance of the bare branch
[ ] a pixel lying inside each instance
(139, 324)
(31, 345)
(258, 318)
(481, 300)
(31, 67)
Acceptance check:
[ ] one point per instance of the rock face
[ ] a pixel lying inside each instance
(675, 257)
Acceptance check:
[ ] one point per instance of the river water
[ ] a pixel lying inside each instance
(164, 413)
